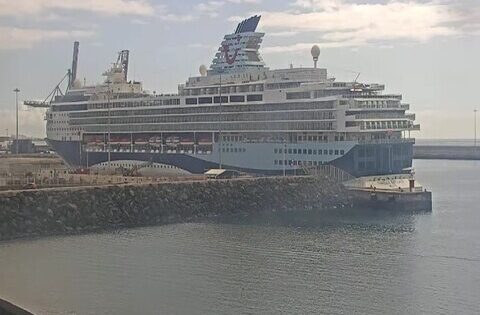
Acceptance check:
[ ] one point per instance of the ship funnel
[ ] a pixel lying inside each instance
(73, 72)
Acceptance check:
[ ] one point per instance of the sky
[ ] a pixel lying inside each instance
(426, 50)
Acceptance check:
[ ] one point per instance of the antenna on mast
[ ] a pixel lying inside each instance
(356, 78)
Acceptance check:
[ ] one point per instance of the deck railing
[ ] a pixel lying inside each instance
(387, 141)
(330, 171)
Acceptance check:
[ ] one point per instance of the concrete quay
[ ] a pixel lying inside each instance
(71, 210)
(389, 200)
(444, 152)
(48, 170)
(16, 165)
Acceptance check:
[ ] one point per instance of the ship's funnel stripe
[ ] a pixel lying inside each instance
(248, 25)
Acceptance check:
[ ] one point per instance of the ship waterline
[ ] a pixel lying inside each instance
(237, 114)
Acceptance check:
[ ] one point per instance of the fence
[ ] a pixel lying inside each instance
(61, 179)
(328, 170)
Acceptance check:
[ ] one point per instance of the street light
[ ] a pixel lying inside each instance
(475, 127)
(109, 123)
(16, 106)
(220, 123)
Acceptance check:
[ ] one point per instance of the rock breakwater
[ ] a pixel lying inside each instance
(83, 209)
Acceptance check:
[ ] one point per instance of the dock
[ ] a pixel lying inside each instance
(397, 192)
(392, 200)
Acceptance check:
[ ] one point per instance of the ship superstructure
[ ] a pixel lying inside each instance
(237, 114)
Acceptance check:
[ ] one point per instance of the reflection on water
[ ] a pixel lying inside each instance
(337, 261)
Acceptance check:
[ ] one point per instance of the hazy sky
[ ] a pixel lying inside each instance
(427, 50)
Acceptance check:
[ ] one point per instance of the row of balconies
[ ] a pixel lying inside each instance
(410, 116)
(386, 140)
(391, 124)
(225, 90)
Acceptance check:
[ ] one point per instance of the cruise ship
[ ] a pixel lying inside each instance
(237, 114)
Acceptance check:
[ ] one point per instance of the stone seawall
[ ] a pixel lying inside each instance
(445, 152)
(7, 308)
(83, 209)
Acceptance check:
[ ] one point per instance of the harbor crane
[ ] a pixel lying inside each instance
(57, 92)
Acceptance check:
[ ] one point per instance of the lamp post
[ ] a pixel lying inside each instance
(16, 115)
(475, 128)
(220, 125)
(109, 121)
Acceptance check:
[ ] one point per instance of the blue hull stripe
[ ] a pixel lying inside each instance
(362, 160)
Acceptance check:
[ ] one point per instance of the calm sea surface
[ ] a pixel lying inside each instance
(304, 263)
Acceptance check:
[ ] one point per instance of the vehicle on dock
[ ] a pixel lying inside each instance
(218, 173)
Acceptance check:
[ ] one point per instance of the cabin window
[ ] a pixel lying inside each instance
(204, 100)
(237, 99)
(254, 98)
(191, 101)
(216, 99)
(298, 95)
